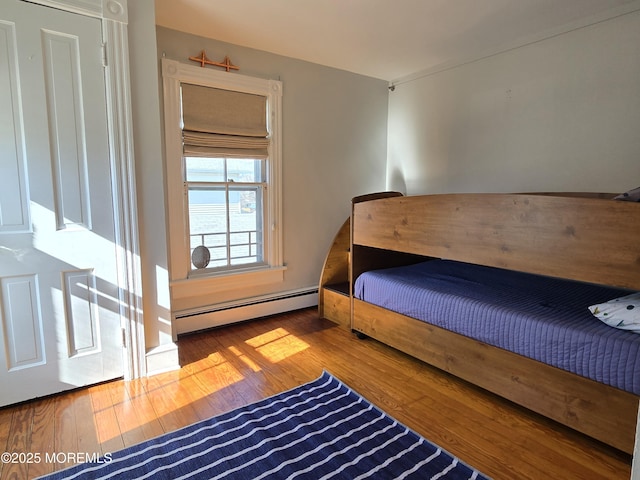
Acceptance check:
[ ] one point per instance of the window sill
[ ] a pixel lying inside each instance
(196, 286)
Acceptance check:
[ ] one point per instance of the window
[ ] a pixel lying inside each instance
(223, 179)
(226, 212)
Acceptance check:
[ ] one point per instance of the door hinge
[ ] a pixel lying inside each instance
(124, 338)
(104, 55)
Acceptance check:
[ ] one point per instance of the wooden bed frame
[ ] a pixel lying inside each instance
(584, 237)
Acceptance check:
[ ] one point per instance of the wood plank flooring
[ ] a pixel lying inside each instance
(232, 366)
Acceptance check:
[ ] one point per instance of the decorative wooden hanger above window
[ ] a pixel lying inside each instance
(203, 60)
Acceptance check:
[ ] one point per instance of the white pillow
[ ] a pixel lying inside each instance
(623, 312)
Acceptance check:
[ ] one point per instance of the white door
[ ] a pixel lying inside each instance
(60, 324)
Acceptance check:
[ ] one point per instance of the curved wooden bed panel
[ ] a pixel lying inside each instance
(584, 237)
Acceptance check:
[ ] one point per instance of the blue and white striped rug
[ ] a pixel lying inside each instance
(318, 430)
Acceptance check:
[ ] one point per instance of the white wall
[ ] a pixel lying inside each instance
(145, 107)
(562, 114)
(334, 139)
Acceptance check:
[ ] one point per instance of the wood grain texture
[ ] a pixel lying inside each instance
(232, 366)
(586, 239)
(335, 270)
(336, 263)
(334, 288)
(337, 308)
(600, 411)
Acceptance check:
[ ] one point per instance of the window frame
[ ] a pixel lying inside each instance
(184, 284)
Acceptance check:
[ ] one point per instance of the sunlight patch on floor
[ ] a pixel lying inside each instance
(162, 395)
(277, 345)
(246, 360)
(212, 360)
(167, 393)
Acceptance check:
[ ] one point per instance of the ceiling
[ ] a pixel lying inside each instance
(385, 39)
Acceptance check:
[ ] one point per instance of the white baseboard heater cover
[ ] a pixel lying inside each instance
(242, 310)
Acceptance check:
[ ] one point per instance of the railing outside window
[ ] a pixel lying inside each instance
(243, 248)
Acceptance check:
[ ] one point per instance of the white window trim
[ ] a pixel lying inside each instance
(173, 74)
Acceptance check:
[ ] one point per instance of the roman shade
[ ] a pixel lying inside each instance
(223, 123)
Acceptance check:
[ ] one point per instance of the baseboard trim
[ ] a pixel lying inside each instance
(189, 321)
(161, 359)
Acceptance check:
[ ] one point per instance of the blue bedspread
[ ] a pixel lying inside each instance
(539, 317)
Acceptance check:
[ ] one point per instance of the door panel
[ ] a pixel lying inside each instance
(61, 58)
(22, 322)
(14, 213)
(60, 324)
(81, 312)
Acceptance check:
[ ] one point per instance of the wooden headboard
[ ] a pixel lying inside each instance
(585, 237)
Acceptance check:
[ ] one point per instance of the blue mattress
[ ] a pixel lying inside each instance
(543, 318)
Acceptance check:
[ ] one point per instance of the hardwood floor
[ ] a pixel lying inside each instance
(232, 366)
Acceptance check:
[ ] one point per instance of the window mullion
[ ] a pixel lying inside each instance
(205, 184)
(226, 189)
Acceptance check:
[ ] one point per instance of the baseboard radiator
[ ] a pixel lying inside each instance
(242, 310)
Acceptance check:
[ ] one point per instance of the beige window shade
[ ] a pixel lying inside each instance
(198, 144)
(220, 122)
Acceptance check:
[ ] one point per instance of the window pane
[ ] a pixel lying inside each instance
(244, 170)
(225, 225)
(208, 226)
(245, 225)
(204, 169)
